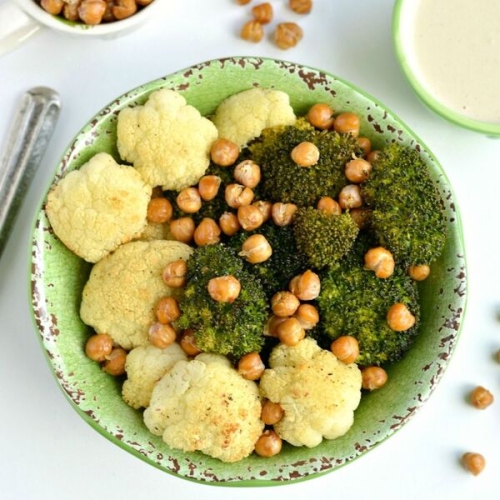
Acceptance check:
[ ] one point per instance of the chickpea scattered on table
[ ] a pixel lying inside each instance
(93, 12)
(481, 398)
(473, 462)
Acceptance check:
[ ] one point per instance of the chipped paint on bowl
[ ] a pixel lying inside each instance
(58, 276)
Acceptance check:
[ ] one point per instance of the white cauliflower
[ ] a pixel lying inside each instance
(98, 207)
(243, 116)
(145, 365)
(206, 405)
(317, 392)
(167, 140)
(124, 288)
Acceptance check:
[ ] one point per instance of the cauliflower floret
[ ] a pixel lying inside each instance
(243, 116)
(124, 288)
(318, 392)
(145, 365)
(155, 231)
(98, 207)
(167, 140)
(206, 405)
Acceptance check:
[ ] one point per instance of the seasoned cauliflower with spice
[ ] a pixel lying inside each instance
(98, 207)
(243, 116)
(206, 405)
(124, 288)
(145, 365)
(167, 140)
(317, 392)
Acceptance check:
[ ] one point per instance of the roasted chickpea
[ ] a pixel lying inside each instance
(373, 155)
(283, 213)
(243, 2)
(53, 7)
(161, 335)
(284, 304)
(300, 6)
(247, 173)
(373, 377)
(224, 152)
(207, 232)
(99, 347)
(272, 413)
(250, 366)
(188, 342)
(269, 444)
(70, 11)
(305, 286)
(305, 154)
(381, 261)
(237, 195)
(229, 223)
(189, 200)
(307, 315)
(329, 205)
(256, 249)
(345, 349)
(91, 12)
(361, 216)
(265, 207)
(272, 325)
(420, 272)
(174, 273)
(321, 116)
(287, 35)
(347, 123)
(358, 170)
(481, 398)
(224, 288)
(167, 310)
(182, 229)
(208, 187)
(159, 210)
(350, 197)
(252, 31)
(498, 356)
(250, 217)
(399, 317)
(115, 362)
(365, 144)
(290, 332)
(263, 13)
(124, 8)
(473, 462)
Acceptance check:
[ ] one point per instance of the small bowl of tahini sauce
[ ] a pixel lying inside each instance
(449, 51)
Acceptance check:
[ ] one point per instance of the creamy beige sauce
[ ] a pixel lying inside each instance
(457, 54)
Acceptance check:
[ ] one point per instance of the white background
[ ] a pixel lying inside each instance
(47, 451)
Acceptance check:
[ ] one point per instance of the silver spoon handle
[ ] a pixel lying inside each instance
(30, 133)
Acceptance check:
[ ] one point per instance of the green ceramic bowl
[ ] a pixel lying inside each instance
(58, 277)
(403, 20)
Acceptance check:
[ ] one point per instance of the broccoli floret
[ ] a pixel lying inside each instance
(354, 302)
(283, 180)
(408, 212)
(323, 237)
(285, 262)
(232, 329)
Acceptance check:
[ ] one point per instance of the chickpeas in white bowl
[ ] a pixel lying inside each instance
(80, 18)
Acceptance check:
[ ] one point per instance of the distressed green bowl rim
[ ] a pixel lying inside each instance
(398, 36)
(252, 471)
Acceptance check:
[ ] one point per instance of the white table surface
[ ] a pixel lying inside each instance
(48, 451)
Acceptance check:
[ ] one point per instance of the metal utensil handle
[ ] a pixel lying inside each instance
(32, 128)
